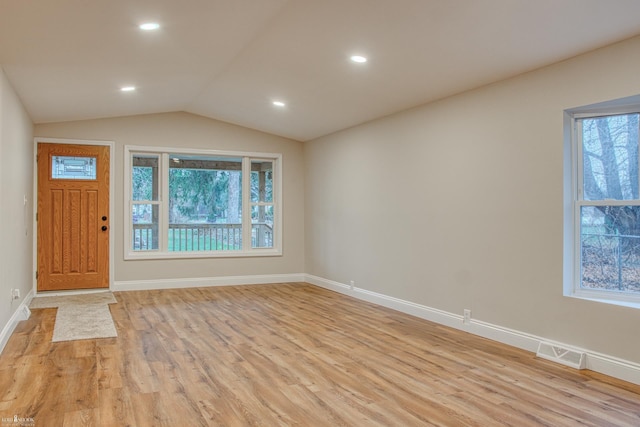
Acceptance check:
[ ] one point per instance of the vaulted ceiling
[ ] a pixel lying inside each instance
(230, 59)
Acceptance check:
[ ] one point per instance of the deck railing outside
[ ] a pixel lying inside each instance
(202, 237)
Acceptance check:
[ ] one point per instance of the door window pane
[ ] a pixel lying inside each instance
(66, 167)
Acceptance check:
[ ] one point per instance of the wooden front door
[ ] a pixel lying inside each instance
(73, 222)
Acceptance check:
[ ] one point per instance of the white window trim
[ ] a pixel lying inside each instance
(162, 252)
(572, 201)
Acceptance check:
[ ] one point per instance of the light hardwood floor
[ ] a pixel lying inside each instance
(290, 354)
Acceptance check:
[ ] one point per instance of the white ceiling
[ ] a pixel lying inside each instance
(228, 59)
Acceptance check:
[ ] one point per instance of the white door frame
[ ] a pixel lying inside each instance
(111, 145)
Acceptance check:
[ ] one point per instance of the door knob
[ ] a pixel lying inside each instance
(104, 218)
(104, 228)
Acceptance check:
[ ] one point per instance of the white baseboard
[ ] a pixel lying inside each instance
(21, 313)
(202, 282)
(602, 363)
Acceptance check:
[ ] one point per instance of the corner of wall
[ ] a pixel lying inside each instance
(16, 143)
(21, 313)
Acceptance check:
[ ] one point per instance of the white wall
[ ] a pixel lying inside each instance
(16, 157)
(191, 131)
(458, 204)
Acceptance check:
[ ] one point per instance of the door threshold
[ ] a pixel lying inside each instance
(60, 293)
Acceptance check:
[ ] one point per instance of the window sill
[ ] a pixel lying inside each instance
(150, 255)
(605, 298)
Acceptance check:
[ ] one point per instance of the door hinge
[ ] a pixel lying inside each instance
(36, 274)
(36, 216)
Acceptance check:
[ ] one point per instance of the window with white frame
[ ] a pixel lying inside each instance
(606, 204)
(195, 203)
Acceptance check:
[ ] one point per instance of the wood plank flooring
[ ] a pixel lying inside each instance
(290, 354)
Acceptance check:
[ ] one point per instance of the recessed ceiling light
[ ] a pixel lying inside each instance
(128, 88)
(149, 26)
(279, 103)
(358, 58)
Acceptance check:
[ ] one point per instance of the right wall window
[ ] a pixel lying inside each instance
(606, 205)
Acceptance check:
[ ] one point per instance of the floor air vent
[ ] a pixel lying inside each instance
(573, 358)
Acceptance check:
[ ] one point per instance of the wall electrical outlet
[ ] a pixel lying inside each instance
(15, 294)
(467, 316)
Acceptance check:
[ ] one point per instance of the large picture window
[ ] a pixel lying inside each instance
(191, 203)
(606, 206)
